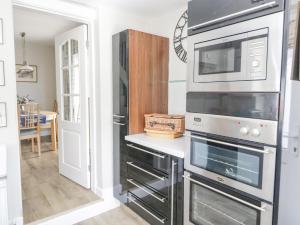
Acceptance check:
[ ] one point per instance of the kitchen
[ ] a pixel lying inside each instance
(191, 112)
(226, 167)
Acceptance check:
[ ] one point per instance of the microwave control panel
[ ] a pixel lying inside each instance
(257, 58)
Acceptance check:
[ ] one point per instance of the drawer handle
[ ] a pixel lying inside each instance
(146, 210)
(143, 150)
(145, 190)
(146, 171)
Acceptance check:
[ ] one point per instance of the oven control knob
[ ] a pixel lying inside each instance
(255, 133)
(244, 130)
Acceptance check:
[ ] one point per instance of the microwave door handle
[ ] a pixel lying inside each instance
(233, 15)
(232, 145)
(262, 209)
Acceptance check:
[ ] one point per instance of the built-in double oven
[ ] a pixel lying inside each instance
(231, 158)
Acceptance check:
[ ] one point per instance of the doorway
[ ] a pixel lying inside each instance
(56, 178)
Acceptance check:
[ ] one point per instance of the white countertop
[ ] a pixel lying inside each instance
(175, 147)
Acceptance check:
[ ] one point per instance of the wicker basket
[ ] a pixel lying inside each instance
(165, 123)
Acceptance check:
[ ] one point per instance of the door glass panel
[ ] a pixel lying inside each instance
(220, 58)
(65, 54)
(72, 108)
(208, 207)
(74, 52)
(75, 80)
(66, 81)
(232, 162)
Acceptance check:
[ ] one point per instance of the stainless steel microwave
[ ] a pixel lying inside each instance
(243, 57)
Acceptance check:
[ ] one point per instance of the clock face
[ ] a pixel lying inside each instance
(180, 37)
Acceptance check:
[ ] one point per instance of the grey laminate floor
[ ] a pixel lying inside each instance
(44, 191)
(118, 216)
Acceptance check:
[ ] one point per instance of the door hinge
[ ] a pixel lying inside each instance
(87, 44)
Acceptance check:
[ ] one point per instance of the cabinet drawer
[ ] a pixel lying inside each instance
(154, 159)
(145, 211)
(151, 197)
(144, 175)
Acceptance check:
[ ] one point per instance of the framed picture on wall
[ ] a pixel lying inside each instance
(26, 77)
(1, 31)
(2, 73)
(3, 119)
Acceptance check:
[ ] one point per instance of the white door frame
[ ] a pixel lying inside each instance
(82, 14)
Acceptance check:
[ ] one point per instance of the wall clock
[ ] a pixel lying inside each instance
(180, 37)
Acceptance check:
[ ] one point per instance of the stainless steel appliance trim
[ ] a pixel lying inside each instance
(240, 36)
(230, 126)
(262, 209)
(147, 211)
(232, 145)
(172, 191)
(120, 124)
(146, 171)
(118, 116)
(230, 16)
(146, 151)
(161, 199)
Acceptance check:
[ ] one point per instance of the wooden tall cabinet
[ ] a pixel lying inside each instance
(140, 86)
(148, 77)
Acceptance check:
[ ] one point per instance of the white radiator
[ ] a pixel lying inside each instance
(3, 187)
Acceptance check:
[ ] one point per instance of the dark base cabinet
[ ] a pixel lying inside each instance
(154, 185)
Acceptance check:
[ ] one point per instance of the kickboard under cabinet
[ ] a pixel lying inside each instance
(154, 185)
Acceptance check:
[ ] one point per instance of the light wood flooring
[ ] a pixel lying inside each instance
(118, 216)
(44, 191)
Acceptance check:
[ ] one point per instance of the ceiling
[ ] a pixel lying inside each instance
(140, 7)
(39, 27)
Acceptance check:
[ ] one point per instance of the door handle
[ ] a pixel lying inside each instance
(120, 124)
(118, 116)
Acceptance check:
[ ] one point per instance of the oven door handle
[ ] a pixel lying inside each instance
(262, 209)
(267, 151)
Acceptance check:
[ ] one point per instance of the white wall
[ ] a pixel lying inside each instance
(165, 25)
(9, 135)
(111, 21)
(43, 56)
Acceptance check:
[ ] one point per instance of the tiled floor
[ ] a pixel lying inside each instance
(119, 216)
(44, 191)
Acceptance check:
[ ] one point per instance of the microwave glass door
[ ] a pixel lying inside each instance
(232, 162)
(220, 58)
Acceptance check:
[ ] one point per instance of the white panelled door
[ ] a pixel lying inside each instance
(72, 99)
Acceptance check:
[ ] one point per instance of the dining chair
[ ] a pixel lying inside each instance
(29, 124)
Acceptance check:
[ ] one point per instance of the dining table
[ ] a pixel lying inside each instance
(50, 124)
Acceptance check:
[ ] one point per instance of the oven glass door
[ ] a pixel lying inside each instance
(233, 162)
(206, 204)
